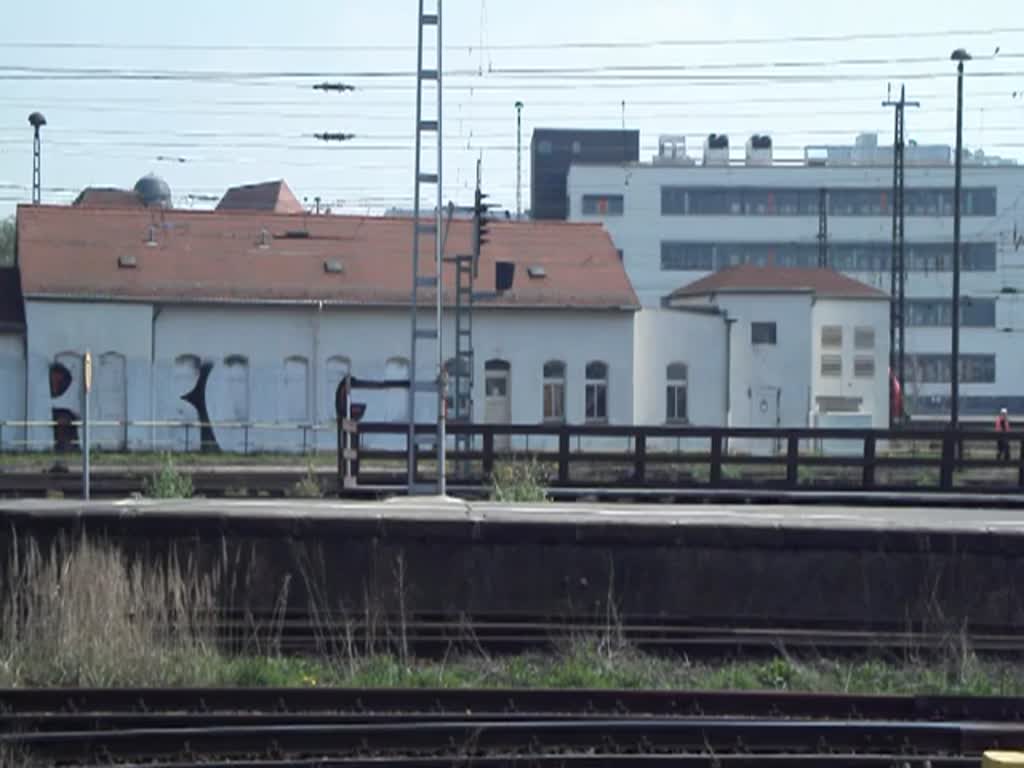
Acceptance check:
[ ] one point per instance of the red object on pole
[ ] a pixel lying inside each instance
(895, 396)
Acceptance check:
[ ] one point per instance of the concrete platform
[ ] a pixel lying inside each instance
(917, 567)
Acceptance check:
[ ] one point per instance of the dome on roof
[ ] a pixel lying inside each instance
(154, 191)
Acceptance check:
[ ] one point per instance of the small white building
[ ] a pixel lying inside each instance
(807, 347)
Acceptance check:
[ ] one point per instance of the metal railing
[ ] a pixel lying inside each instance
(657, 457)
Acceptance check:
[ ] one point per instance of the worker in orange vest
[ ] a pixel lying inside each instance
(1003, 428)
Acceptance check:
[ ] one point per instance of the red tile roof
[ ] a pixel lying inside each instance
(108, 197)
(270, 196)
(749, 278)
(244, 256)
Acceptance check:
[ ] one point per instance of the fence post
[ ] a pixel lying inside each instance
(640, 458)
(1020, 470)
(187, 430)
(1, 437)
(245, 439)
(868, 473)
(949, 441)
(488, 460)
(305, 435)
(716, 460)
(792, 460)
(563, 456)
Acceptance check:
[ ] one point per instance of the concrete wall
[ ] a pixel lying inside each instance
(12, 387)
(641, 229)
(695, 338)
(850, 315)
(119, 337)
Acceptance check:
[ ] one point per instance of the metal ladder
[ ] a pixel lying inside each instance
(426, 273)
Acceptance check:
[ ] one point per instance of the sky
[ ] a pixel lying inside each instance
(216, 93)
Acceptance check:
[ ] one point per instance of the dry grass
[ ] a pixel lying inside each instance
(83, 614)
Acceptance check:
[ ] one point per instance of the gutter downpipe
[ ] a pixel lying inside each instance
(316, 373)
(157, 309)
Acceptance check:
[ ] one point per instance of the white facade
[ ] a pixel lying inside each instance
(681, 221)
(12, 388)
(273, 370)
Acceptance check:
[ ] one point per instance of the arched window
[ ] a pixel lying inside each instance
(675, 393)
(459, 403)
(397, 369)
(296, 389)
(554, 391)
(112, 400)
(237, 388)
(336, 369)
(596, 392)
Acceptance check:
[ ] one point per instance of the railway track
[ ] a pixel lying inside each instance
(437, 635)
(425, 728)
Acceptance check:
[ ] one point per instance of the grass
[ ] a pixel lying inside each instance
(82, 613)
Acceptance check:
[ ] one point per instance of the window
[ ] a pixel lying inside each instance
(603, 205)
(864, 337)
(831, 366)
(687, 256)
(831, 337)
(238, 388)
(554, 391)
(675, 393)
(296, 390)
(864, 367)
(974, 312)
(936, 369)
(762, 333)
(544, 147)
(596, 392)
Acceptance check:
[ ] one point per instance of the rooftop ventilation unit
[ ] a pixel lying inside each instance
(759, 150)
(716, 149)
(672, 151)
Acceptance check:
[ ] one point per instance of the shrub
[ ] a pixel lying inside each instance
(518, 482)
(168, 483)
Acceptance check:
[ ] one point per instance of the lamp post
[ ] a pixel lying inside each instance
(959, 56)
(519, 160)
(37, 121)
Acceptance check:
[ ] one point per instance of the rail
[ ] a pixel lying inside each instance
(655, 457)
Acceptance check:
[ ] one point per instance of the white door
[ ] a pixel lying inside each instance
(111, 402)
(497, 400)
(765, 416)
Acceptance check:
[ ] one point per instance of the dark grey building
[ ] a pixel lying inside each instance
(553, 150)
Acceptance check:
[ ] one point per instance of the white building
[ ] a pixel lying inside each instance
(675, 220)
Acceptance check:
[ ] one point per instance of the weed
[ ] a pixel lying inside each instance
(518, 481)
(308, 487)
(168, 483)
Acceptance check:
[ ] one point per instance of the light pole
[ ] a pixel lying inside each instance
(37, 121)
(519, 160)
(959, 56)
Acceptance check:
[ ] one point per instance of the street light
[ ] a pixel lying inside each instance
(959, 56)
(37, 121)
(519, 160)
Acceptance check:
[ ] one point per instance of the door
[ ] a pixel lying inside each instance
(765, 416)
(497, 400)
(111, 402)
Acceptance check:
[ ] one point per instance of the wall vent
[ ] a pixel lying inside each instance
(127, 261)
(265, 238)
(536, 272)
(333, 266)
